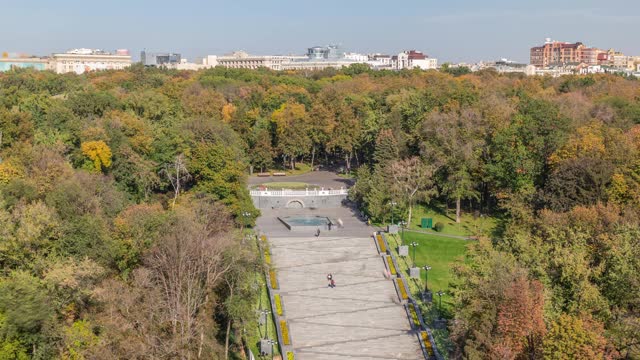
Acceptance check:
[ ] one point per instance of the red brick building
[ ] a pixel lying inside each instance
(558, 53)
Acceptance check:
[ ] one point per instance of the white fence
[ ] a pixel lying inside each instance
(297, 193)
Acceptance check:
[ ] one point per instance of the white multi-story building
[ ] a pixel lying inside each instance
(242, 60)
(316, 64)
(210, 61)
(80, 61)
(355, 57)
(413, 59)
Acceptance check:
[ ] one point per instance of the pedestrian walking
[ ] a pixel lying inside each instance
(330, 279)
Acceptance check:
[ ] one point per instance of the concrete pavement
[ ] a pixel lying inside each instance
(361, 318)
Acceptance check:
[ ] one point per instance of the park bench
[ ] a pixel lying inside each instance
(279, 174)
(264, 174)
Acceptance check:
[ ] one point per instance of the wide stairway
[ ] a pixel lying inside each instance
(361, 318)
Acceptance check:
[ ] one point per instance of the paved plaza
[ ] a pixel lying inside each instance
(361, 318)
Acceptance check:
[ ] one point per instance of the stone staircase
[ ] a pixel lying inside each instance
(361, 318)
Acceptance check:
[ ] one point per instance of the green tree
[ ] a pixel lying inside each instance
(456, 141)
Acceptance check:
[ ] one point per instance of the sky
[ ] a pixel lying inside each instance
(452, 30)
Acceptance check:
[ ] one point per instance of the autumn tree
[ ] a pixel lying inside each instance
(98, 152)
(571, 337)
(501, 310)
(292, 137)
(412, 180)
(457, 142)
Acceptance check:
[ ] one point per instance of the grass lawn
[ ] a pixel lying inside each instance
(301, 168)
(438, 252)
(255, 335)
(289, 185)
(468, 226)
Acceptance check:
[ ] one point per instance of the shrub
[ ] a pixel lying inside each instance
(392, 267)
(285, 332)
(278, 302)
(438, 226)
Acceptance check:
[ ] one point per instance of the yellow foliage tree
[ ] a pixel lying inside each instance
(228, 110)
(99, 152)
(8, 172)
(588, 141)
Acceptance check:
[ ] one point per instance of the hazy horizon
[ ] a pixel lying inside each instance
(460, 30)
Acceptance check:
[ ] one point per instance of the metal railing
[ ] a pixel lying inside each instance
(306, 192)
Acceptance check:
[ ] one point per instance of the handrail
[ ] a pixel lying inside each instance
(307, 192)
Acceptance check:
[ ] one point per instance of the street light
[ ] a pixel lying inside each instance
(414, 245)
(426, 278)
(245, 215)
(272, 342)
(440, 293)
(265, 313)
(393, 205)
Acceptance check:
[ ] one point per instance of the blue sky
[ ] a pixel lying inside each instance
(454, 30)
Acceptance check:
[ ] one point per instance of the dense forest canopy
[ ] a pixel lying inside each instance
(111, 181)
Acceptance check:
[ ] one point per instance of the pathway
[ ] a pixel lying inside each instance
(359, 319)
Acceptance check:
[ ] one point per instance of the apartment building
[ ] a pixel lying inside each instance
(412, 59)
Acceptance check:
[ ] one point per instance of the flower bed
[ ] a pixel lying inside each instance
(278, 302)
(272, 278)
(426, 342)
(392, 267)
(402, 289)
(381, 245)
(414, 315)
(290, 355)
(263, 238)
(285, 332)
(267, 257)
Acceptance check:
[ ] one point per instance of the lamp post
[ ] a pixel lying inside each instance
(272, 342)
(426, 278)
(402, 224)
(440, 293)
(245, 215)
(265, 313)
(414, 245)
(393, 206)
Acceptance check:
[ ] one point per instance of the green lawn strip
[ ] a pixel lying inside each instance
(255, 336)
(438, 252)
(468, 226)
(264, 303)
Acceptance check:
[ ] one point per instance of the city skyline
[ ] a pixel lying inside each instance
(459, 31)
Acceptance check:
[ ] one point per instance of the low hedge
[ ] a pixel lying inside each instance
(285, 332)
(273, 280)
(392, 267)
(402, 289)
(381, 245)
(278, 302)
